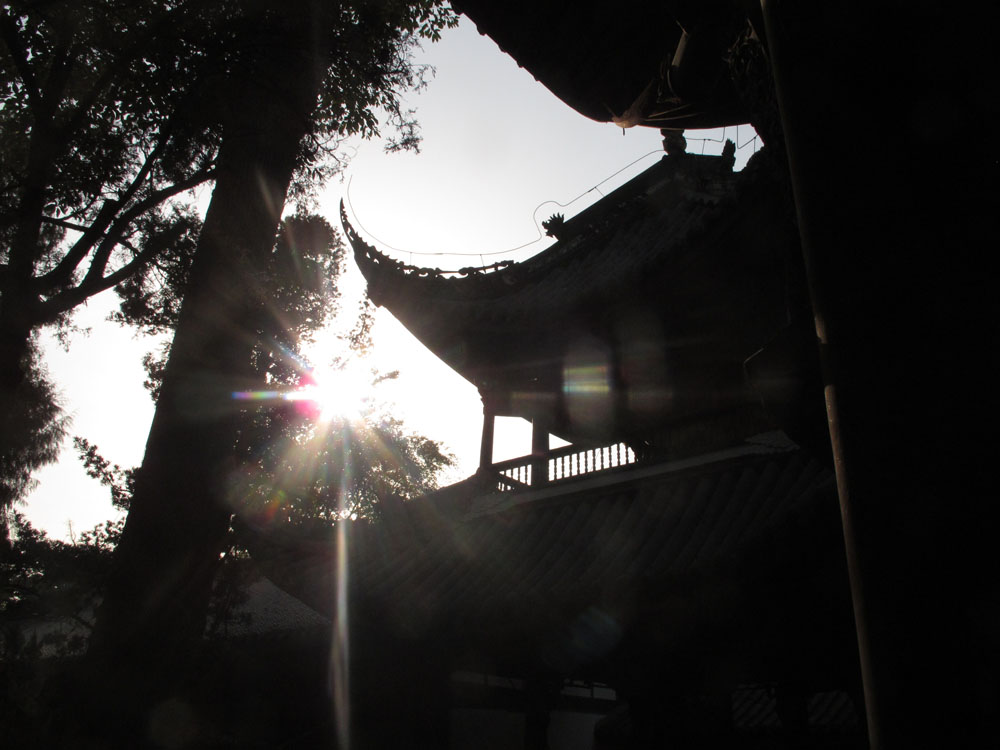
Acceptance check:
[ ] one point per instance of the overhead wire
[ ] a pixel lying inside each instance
(347, 195)
(534, 218)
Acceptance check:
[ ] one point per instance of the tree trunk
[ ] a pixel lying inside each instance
(154, 611)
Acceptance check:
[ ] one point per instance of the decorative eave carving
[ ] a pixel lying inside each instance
(682, 178)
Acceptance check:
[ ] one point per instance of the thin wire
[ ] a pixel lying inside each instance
(534, 213)
(722, 139)
(596, 187)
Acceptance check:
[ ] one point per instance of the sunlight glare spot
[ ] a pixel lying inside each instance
(335, 393)
(323, 395)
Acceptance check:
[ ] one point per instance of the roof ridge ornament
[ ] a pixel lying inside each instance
(674, 142)
(554, 226)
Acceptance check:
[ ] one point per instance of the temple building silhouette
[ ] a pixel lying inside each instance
(764, 380)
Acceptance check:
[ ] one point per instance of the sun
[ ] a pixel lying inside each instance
(329, 393)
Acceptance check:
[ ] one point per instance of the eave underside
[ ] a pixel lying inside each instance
(662, 65)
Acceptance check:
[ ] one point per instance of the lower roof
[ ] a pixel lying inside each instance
(573, 577)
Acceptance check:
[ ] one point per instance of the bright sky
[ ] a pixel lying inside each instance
(500, 153)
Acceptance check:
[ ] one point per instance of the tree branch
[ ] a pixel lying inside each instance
(49, 310)
(63, 272)
(64, 224)
(40, 163)
(121, 224)
(126, 53)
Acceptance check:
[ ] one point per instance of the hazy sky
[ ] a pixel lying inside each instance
(499, 154)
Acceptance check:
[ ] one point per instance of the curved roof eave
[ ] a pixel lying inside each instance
(477, 322)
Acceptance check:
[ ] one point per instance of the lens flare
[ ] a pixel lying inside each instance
(340, 654)
(340, 399)
(322, 395)
(587, 388)
(587, 380)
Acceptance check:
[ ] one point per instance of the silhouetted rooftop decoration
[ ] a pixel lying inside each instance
(643, 311)
(674, 141)
(553, 226)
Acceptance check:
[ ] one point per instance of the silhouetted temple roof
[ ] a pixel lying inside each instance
(629, 61)
(668, 553)
(662, 288)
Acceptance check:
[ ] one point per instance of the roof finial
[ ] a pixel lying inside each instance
(554, 226)
(674, 141)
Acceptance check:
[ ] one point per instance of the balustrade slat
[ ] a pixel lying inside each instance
(562, 463)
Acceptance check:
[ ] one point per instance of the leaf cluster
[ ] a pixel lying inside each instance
(299, 287)
(121, 482)
(49, 591)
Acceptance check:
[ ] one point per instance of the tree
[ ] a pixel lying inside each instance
(101, 129)
(101, 134)
(111, 113)
(291, 467)
(288, 448)
(302, 73)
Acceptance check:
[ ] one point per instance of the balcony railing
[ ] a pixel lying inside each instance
(561, 464)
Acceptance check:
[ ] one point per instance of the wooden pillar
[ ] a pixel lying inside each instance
(539, 453)
(894, 230)
(486, 445)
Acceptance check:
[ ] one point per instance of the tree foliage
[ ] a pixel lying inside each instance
(120, 482)
(102, 130)
(298, 281)
(32, 434)
(307, 470)
(98, 144)
(51, 580)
